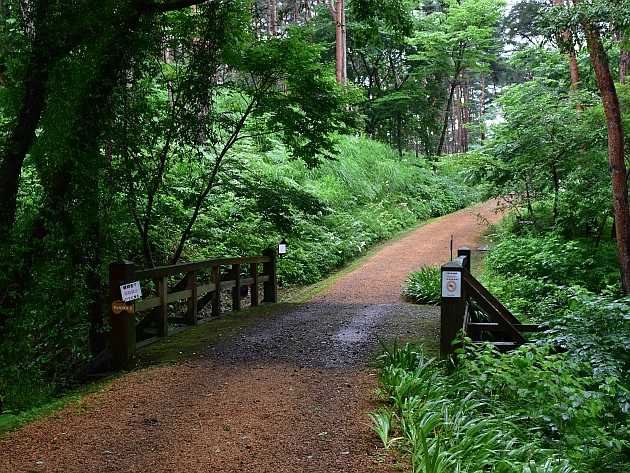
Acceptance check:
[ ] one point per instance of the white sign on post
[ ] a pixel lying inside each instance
(451, 284)
(131, 292)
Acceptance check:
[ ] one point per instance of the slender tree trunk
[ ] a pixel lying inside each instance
(565, 41)
(337, 10)
(624, 61)
(482, 108)
(574, 70)
(616, 161)
(556, 190)
(20, 141)
(449, 104)
(273, 18)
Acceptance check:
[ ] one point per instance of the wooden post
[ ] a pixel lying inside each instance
(191, 283)
(254, 271)
(270, 269)
(236, 290)
(163, 321)
(467, 254)
(123, 336)
(216, 299)
(453, 307)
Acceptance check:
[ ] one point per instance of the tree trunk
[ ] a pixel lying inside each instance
(624, 60)
(616, 162)
(574, 69)
(20, 140)
(273, 18)
(339, 16)
(482, 108)
(566, 43)
(449, 105)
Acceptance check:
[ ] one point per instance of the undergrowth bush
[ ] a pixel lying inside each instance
(423, 286)
(328, 214)
(529, 410)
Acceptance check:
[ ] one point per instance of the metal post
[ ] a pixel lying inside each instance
(123, 336)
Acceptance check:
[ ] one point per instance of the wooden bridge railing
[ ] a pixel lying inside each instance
(469, 307)
(202, 283)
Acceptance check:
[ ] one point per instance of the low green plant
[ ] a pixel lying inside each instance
(423, 286)
(529, 410)
(382, 425)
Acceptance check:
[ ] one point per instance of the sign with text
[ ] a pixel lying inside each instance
(451, 284)
(131, 292)
(118, 307)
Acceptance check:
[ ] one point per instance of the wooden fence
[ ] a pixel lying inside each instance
(471, 308)
(197, 284)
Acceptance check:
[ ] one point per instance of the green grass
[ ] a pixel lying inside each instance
(11, 422)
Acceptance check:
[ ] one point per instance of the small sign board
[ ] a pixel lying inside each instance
(131, 292)
(451, 284)
(118, 307)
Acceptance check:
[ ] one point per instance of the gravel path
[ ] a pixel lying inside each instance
(289, 394)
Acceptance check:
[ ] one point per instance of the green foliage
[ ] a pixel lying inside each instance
(423, 286)
(528, 410)
(328, 214)
(552, 259)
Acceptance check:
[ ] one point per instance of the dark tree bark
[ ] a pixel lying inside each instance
(449, 105)
(19, 142)
(273, 17)
(616, 161)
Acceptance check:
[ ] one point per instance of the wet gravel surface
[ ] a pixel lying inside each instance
(330, 335)
(288, 394)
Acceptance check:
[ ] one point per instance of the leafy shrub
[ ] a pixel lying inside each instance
(529, 409)
(552, 259)
(328, 215)
(423, 286)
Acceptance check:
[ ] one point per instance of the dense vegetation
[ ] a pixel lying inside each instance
(163, 131)
(166, 131)
(328, 215)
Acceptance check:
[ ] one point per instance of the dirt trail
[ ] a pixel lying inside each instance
(289, 394)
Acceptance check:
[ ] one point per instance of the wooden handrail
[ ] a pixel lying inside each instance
(457, 311)
(170, 270)
(195, 293)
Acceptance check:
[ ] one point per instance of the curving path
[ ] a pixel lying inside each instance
(288, 394)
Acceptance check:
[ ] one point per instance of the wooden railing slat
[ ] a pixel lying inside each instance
(161, 271)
